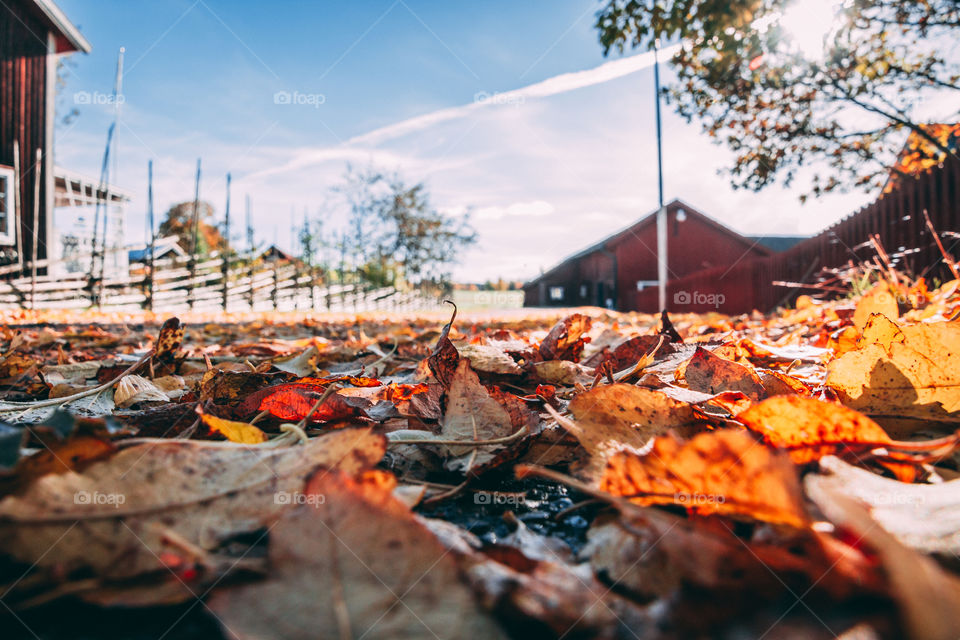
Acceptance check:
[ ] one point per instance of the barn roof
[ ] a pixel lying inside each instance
(68, 37)
(672, 207)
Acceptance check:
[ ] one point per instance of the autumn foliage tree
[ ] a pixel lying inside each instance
(850, 103)
(178, 221)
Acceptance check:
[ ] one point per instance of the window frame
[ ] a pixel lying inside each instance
(552, 289)
(9, 237)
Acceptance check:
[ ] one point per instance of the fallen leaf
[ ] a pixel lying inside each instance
(111, 517)
(905, 371)
(720, 472)
(612, 416)
(712, 374)
(133, 389)
(354, 561)
(810, 429)
(565, 340)
(487, 359)
(234, 431)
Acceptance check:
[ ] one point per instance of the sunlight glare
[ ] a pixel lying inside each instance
(807, 23)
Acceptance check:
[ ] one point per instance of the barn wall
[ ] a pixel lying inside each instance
(693, 245)
(24, 78)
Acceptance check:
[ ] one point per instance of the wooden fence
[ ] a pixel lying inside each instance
(896, 219)
(182, 284)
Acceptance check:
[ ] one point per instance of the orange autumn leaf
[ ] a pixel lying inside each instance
(293, 402)
(724, 472)
(811, 429)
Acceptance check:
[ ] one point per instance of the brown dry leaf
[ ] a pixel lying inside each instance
(472, 414)
(487, 359)
(354, 562)
(878, 299)
(111, 517)
(901, 371)
(234, 431)
(561, 372)
(780, 384)
(565, 340)
(76, 373)
(712, 374)
(810, 429)
(724, 472)
(617, 415)
(445, 357)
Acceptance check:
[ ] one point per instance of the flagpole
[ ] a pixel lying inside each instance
(661, 211)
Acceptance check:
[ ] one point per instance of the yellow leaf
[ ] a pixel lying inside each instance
(235, 431)
(901, 371)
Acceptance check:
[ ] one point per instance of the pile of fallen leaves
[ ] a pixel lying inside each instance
(597, 476)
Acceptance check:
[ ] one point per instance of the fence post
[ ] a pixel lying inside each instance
(192, 265)
(36, 231)
(151, 247)
(226, 249)
(276, 286)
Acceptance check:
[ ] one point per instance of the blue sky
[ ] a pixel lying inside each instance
(507, 109)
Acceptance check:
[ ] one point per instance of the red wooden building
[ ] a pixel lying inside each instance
(32, 34)
(619, 271)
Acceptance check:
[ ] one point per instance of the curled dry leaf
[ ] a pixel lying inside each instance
(488, 359)
(111, 517)
(709, 373)
(354, 562)
(724, 472)
(133, 389)
(445, 357)
(901, 371)
(565, 340)
(810, 429)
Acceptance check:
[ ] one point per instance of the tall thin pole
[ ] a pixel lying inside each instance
(661, 212)
(36, 232)
(250, 252)
(226, 247)
(104, 185)
(151, 235)
(194, 245)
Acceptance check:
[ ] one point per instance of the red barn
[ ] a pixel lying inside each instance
(611, 272)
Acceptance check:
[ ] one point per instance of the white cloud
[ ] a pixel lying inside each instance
(532, 208)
